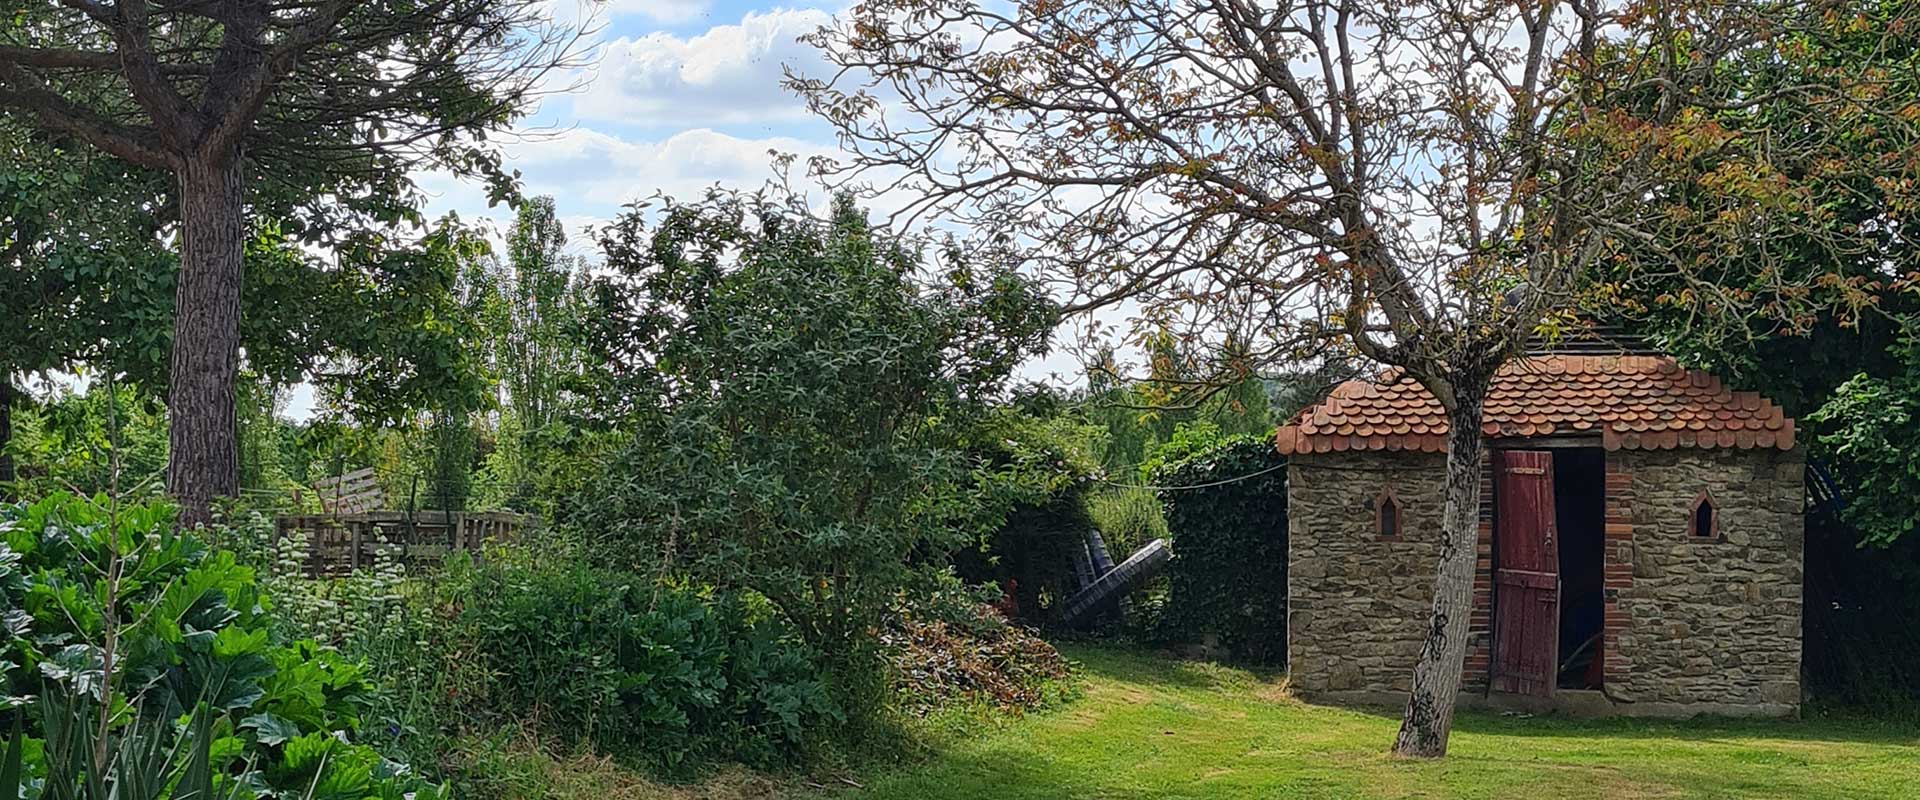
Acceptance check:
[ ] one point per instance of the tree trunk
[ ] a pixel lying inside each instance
(203, 461)
(1436, 676)
(6, 435)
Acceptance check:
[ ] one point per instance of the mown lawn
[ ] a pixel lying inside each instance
(1149, 728)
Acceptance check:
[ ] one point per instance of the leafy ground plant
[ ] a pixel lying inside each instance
(670, 679)
(136, 655)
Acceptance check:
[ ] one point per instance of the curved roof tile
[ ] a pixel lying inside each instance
(1636, 402)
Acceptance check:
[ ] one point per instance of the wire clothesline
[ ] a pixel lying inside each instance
(1207, 485)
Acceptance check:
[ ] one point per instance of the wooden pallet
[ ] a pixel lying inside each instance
(339, 544)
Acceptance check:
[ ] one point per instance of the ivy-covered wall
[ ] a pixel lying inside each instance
(1228, 578)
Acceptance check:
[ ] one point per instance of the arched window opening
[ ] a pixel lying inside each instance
(1705, 522)
(1387, 515)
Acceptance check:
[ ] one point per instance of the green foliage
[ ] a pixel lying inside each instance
(450, 439)
(1186, 403)
(799, 392)
(1229, 572)
(91, 282)
(69, 441)
(672, 676)
(1127, 518)
(1874, 436)
(1034, 470)
(533, 309)
(1790, 199)
(117, 618)
(1871, 428)
(1189, 440)
(397, 337)
(1030, 462)
(87, 278)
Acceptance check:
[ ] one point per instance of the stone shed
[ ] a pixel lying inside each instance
(1640, 541)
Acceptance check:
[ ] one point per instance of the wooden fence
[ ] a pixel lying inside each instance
(338, 544)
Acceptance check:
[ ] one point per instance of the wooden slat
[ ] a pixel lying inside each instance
(361, 474)
(340, 543)
(1526, 581)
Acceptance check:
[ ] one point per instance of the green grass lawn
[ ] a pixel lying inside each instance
(1149, 727)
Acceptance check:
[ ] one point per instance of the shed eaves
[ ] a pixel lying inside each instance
(1632, 402)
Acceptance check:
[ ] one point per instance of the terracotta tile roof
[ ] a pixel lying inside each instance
(1633, 402)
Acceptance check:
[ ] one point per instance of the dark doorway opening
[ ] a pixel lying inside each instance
(1579, 499)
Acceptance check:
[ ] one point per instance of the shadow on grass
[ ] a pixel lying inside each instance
(1833, 729)
(1002, 775)
(1339, 755)
(1147, 668)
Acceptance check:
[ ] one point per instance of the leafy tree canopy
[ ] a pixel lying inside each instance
(799, 389)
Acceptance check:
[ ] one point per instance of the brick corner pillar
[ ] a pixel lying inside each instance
(1618, 571)
(1477, 672)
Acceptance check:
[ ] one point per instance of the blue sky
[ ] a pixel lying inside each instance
(684, 94)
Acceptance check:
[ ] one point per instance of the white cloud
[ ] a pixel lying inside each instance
(729, 74)
(594, 172)
(591, 174)
(667, 12)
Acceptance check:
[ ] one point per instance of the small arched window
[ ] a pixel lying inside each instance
(1387, 515)
(1704, 521)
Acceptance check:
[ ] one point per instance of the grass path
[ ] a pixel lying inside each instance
(1151, 728)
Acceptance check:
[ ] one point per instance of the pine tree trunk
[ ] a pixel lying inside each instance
(203, 460)
(1436, 676)
(6, 435)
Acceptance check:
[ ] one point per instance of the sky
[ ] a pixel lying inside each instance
(681, 95)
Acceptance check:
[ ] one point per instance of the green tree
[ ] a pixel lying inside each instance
(1834, 253)
(85, 275)
(91, 286)
(532, 307)
(1872, 425)
(799, 390)
(273, 107)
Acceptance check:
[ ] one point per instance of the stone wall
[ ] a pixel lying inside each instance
(1356, 605)
(1691, 626)
(1700, 623)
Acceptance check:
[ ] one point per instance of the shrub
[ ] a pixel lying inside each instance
(1228, 576)
(1128, 518)
(107, 604)
(669, 675)
(1032, 477)
(821, 464)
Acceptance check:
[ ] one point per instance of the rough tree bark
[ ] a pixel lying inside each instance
(203, 456)
(1436, 676)
(6, 435)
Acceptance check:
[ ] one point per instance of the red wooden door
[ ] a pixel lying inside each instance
(1526, 577)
